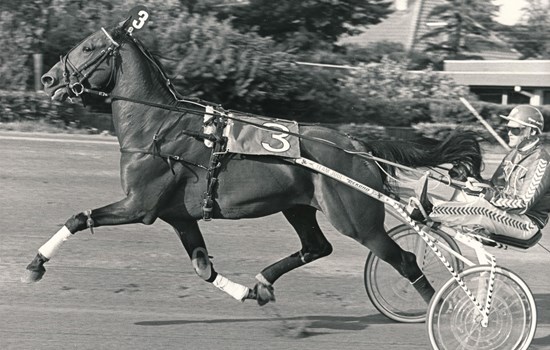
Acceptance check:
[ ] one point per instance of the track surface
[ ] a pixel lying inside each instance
(133, 287)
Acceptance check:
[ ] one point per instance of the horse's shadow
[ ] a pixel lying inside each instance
(312, 323)
(543, 308)
(543, 317)
(315, 323)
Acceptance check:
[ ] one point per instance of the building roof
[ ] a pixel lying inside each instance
(398, 27)
(407, 24)
(421, 27)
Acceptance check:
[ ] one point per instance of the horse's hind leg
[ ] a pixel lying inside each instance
(403, 261)
(314, 246)
(364, 222)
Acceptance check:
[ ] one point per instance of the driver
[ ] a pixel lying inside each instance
(516, 201)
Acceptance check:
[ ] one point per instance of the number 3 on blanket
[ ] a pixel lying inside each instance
(280, 137)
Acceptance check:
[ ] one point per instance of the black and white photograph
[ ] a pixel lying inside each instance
(274, 174)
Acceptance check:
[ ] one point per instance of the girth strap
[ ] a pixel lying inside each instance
(212, 169)
(218, 151)
(169, 157)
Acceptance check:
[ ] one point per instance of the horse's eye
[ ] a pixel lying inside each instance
(88, 49)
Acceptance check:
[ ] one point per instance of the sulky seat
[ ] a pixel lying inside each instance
(516, 242)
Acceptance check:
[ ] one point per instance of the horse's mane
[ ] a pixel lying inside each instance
(120, 35)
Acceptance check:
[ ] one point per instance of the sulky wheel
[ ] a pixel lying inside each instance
(392, 294)
(454, 321)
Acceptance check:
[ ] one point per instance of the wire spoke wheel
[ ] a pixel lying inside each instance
(454, 322)
(392, 294)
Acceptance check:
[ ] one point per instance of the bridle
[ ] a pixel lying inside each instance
(76, 76)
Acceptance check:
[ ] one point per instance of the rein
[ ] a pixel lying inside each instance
(113, 50)
(77, 88)
(228, 115)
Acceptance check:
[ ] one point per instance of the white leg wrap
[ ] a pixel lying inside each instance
(237, 291)
(52, 246)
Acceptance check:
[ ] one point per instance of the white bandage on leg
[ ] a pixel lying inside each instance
(237, 291)
(52, 246)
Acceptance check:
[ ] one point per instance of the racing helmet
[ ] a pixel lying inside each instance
(526, 115)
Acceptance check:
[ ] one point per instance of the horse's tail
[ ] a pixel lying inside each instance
(460, 147)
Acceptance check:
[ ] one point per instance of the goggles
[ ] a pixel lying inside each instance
(514, 131)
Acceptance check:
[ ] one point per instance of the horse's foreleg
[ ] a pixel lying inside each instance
(123, 212)
(314, 246)
(193, 242)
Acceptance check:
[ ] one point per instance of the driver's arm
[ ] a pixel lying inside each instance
(533, 186)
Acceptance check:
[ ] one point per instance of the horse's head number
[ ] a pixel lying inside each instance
(140, 21)
(280, 137)
(138, 17)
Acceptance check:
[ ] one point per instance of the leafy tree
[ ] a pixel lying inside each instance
(410, 93)
(240, 71)
(203, 7)
(531, 37)
(14, 56)
(377, 51)
(23, 27)
(390, 80)
(307, 24)
(466, 28)
(52, 27)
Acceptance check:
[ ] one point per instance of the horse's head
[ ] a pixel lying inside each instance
(91, 65)
(88, 65)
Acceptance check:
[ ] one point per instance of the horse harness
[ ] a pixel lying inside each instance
(215, 120)
(74, 80)
(218, 151)
(218, 144)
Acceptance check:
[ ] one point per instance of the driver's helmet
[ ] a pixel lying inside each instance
(526, 115)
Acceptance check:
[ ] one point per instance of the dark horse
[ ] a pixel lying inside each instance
(165, 164)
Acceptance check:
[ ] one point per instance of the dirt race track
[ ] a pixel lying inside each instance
(133, 287)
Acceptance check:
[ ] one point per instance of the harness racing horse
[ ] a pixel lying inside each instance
(165, 165)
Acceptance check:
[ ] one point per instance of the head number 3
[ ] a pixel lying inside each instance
(138, 16)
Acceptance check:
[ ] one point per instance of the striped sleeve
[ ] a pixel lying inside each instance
(535, 184)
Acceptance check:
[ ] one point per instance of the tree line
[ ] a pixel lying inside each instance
(242, 54)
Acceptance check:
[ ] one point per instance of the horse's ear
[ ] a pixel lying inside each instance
(124, 24)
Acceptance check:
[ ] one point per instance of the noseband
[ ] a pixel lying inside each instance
(75, 77)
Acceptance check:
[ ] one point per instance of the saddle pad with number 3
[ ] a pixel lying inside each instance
(262, 136)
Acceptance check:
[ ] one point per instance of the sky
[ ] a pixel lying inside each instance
(510, 10)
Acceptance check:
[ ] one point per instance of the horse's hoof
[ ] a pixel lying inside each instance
(264, 293)
(30, 276)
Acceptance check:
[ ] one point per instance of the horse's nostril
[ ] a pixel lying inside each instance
(47, 80)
